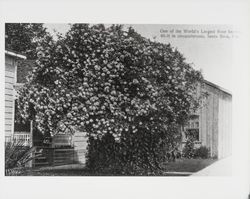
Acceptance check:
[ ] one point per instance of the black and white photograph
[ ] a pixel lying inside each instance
(125, 99)
(118, 99)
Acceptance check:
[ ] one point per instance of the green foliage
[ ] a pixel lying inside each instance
(106, 79)
(24, 37)
(201, 152)
(136, 154)
(110, 82)
(16, 155)
(189, 150)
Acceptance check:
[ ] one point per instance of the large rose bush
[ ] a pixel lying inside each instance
(115, 85)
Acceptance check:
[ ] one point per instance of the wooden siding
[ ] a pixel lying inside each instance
(208, 122)
(10, 67)
(80, 146)
(225, 126)
(78, 142)
(215, 122)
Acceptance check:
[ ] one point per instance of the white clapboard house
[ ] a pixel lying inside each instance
(11, 61)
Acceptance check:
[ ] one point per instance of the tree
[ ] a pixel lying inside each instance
(116, 85)
(24, 37)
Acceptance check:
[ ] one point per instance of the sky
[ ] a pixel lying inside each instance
(213, 56)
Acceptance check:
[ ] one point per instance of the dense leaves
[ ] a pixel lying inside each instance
(201, 152)
(24, 37)
(16, 155)
(189, 148)
(111, 81)
(140, 153)
(190, 151)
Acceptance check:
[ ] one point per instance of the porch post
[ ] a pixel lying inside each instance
(31, 133)
(31, 144)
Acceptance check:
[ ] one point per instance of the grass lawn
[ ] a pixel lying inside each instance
(57, 172)
(180, 165)
(188, 165)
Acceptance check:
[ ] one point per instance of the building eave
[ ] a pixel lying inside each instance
(13, 54)
(217, 87)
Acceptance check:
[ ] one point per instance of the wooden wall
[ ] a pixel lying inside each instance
(225, 126)
(215, 121)
(78, 142)
(10, 76)
(80, 146)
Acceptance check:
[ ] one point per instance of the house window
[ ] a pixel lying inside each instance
(192, 128)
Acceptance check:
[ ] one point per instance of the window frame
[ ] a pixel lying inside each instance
(193, 124)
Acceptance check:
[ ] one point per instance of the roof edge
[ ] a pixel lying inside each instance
(11, 53)
(218, 87)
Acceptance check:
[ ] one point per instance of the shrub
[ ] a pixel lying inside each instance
(138, 153)
(124, 90)
(16, 156)
(189, 151)
(202, 152)
(132, 156)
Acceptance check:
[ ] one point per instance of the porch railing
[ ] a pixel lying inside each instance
(24, 137)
